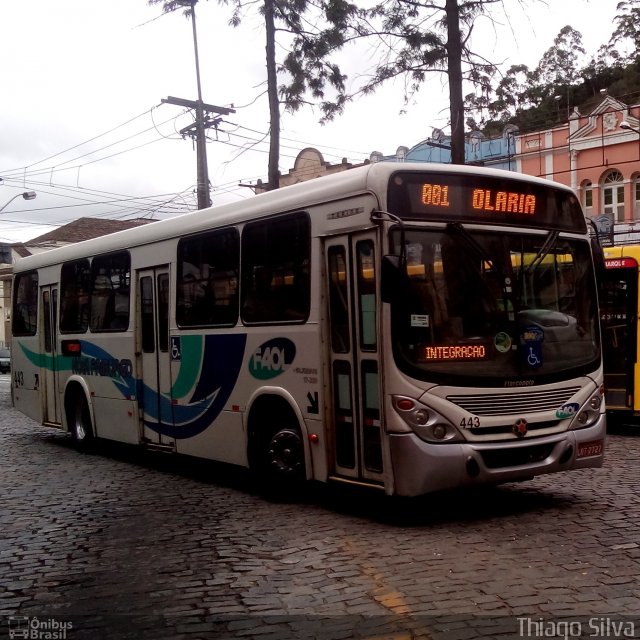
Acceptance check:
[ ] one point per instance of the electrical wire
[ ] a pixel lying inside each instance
(100, 135)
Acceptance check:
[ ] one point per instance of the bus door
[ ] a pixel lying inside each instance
(618, 317)
(355, 431)
(48, 377)
(154, 360)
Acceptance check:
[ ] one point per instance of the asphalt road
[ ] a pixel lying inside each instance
(128, 544)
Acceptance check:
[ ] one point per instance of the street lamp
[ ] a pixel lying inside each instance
(625, 125)
(27, 195)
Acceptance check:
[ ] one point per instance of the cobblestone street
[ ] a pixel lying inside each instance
(125, 544)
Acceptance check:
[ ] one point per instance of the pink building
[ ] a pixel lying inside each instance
(597, 154)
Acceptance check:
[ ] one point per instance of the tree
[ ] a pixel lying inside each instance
(269, 13)
(627, 30)
(538, 99)
(558, 66)
(272, 91)
(414, 38)
(494, 108)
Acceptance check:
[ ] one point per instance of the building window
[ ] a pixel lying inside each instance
(613, 195)
(5, 254)
(588, 199)
(636, 192)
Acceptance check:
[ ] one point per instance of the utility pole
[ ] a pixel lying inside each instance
(203, 121)
(196, 131)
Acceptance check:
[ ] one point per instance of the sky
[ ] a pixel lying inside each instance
(82, 122)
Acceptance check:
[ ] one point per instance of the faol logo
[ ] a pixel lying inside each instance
(272, 358)
(567, 410)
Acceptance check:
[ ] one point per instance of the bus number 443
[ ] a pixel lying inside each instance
(470, 422)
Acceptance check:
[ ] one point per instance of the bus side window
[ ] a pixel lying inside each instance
(260, 302)
(110, 292)
(75, 283)
(25, 304)
(208, 271)
(276, 253)
(102, 305)
(299, 296)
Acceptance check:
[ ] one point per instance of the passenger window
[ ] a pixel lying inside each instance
(75, 286)
(275, 270)
(208, 267)
(110, 293)
(24, 317)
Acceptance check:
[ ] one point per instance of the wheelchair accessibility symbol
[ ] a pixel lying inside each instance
(175, 348)
(532, 359)
(531, 341)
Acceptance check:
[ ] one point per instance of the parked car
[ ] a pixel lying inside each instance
(5, 360)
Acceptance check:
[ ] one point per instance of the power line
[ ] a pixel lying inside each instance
(125, 205)
(61, 167)
(87, 192)
(100, 135)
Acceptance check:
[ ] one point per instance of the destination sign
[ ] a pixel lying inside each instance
(620, 263)
(485, 198)
(453, 352)
(437, 195)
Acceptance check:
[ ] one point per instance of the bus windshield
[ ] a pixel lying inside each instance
(495, 306)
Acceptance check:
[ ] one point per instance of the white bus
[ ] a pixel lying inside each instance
(408, 327)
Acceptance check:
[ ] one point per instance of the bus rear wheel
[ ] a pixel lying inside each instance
(80, 424)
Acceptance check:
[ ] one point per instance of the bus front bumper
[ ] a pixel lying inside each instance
(420, 467)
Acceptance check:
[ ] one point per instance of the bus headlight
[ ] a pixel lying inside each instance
(426, 423)
(589, 412)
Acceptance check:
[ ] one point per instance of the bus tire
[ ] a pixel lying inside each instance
(285, 455)
(80, 424)
(277, 459)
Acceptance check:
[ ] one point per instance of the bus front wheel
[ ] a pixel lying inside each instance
(80, 424)
(277, 463)
(285, 455)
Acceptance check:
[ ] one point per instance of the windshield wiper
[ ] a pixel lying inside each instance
(456, 229)
(543, 252)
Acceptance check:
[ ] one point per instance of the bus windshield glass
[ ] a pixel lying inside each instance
(495, 306)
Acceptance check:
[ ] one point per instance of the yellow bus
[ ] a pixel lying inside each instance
(619, 321)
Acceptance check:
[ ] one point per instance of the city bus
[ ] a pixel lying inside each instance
(619, 320)
(405, 327)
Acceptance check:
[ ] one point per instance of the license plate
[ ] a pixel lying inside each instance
(593, 448)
